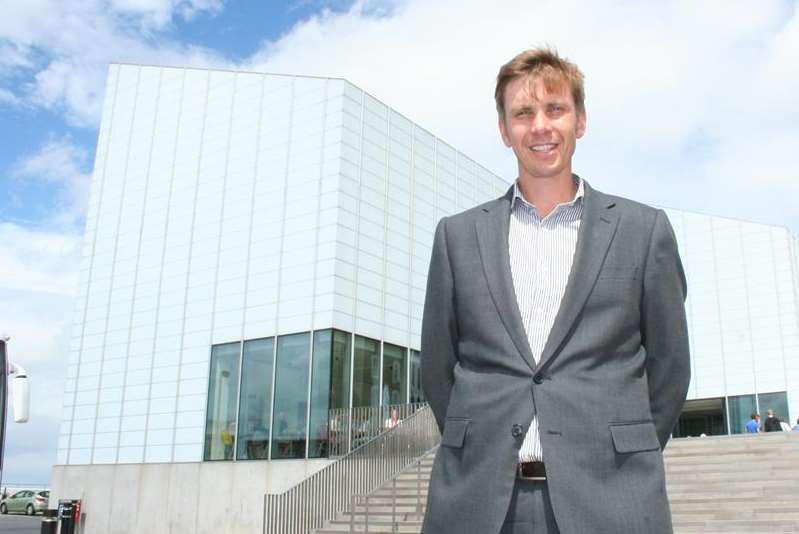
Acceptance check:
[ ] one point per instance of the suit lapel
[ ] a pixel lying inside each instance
(597, 229)
(492, 236)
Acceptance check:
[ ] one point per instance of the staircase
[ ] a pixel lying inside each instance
(741, 483)
(731, 484)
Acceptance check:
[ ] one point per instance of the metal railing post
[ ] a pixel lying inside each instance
(394, 504)
(376, 457)
(419, 487)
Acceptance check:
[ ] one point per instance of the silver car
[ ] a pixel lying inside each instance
(30, 502)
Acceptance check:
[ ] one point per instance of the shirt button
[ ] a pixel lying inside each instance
(516, 430)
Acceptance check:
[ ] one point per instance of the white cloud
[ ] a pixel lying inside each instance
(159, 13)
(59, 162)
(38, 278)
(63, 47)
(38, 261)
(690, 105)
(8, 97)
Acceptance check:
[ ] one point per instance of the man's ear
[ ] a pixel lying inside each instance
(503, 130)
(582, 124)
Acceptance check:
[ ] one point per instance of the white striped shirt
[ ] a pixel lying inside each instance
(541, 254)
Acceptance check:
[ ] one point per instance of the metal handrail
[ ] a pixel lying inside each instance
(349, 428)
(320, 497)
(365, 498)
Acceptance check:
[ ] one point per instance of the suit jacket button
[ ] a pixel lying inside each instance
(538, 378)
(516, 431)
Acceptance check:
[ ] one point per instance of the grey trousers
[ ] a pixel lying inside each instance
(530, 511)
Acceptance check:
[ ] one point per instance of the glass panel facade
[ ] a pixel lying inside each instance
(330, 388)
(366, 373)
(777, 401)
(395, 374)
(417, 394)
(267, 380)
(741, 409)
(291, 396)
(256, 399)
(320, 393)
(223, 389)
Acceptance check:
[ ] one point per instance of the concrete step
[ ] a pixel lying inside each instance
(717, 484)
(735, 527)
(764, 514)
(732, 503)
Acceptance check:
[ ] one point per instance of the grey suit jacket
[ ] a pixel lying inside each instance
(607, 390)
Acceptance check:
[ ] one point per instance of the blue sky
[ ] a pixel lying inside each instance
(690, 105)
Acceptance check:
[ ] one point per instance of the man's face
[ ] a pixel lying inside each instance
(541, 127)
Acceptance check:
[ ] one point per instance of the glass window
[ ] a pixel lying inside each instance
(366, 373)
(220, 424)
(291, 396)
(329, 389)
(773, 401)
(741, 409)
(417, 394)
(256, 398)
(395, 374)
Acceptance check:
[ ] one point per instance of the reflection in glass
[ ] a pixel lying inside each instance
(329, 389)
(395, 373)
(291, 396)
(366, 373)
(365, 391)
(417, 394)
(741, 409)
(256, 396)
(777, 401)
(220, 423)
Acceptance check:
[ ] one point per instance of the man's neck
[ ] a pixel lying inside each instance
(546, 193)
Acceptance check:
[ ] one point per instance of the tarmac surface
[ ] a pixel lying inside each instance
(20, 524)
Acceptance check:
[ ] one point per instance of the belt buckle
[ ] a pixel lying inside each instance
(522, 476)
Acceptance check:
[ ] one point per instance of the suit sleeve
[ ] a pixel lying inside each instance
(665, 329)
(439, 329)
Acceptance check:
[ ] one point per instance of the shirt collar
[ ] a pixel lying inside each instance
(517, 193)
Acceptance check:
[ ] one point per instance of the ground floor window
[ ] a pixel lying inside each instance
(306, 395)
(729, 415)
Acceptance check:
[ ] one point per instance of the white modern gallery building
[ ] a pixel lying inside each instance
(256, 251)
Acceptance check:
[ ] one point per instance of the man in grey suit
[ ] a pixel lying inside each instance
(554, 341)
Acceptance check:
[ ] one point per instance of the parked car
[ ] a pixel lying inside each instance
(30, 502)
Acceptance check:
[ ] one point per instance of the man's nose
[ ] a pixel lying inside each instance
(539, 123)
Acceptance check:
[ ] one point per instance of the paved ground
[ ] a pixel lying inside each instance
(20, 524)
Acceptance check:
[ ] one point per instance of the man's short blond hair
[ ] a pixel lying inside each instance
(549, 66)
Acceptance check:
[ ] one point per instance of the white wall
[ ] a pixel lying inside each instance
(742, 306)
(212, 217)
(178, 498)
(230, 206)
(397, 181)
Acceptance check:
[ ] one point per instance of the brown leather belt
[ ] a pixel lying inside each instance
(531, 471)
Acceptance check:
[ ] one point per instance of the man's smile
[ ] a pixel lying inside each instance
(543, 148)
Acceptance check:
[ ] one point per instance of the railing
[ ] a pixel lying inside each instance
(349, 428)
(418, 505)
(323, 495)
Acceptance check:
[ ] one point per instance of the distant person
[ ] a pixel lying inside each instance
(772, 423)
(392, 420)
(753, 426)
(796, 426)
(228, 438)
